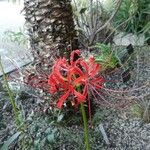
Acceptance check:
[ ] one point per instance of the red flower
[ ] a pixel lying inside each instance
(91, 76)
(67, 77)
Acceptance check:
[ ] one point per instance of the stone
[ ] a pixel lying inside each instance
(125, 39)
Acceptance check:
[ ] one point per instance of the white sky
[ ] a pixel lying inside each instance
(10, 17)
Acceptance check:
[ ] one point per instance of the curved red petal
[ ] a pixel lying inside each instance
(79, 80)
(94, 69)
(72, 56)
(97, 83)
(85, 90)
(62, 99)
(84, 66)
(80, 97)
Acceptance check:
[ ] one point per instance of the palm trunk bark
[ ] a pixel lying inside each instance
(50, 26)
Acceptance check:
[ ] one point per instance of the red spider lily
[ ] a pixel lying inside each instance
(90, 74)
(67, 77)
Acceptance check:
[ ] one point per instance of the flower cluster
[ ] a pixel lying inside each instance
(74, 78)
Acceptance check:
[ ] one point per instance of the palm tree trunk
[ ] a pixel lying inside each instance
(50, 25)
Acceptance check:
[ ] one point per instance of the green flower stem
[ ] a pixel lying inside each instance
(10, 93)
(86, 132)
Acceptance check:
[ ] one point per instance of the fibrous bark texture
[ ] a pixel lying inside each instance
(50, 25)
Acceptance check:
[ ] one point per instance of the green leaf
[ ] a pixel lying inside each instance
(107, 58)
(10, 140)
(51, 137)
(48, 130)
(36, 142)
(60, 117)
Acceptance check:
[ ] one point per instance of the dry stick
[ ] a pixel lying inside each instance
(96, 19)
(102, 130)
(83, 23)
(110, 19)
(91, 15)
(88, 27)
(118, 27)
(107, 22)
(86, 24)
(138, 68)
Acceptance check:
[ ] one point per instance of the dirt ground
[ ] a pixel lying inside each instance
(126, 120)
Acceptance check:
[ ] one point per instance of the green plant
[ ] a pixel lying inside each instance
(136, 111)
(106, 58)
(43, 132)
(92, 21)
(18, 37)
(138, 11)
(19, 120)
(10, 141)
(141, 110)
(16, 111)
(74, 79)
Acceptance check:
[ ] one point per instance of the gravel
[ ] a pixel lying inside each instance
(127, 134)
(123, 131)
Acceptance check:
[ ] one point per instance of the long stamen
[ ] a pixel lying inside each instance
(125, 91)
(101, 96)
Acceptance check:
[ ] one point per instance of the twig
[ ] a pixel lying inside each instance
(118, 27)
(107, 22)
